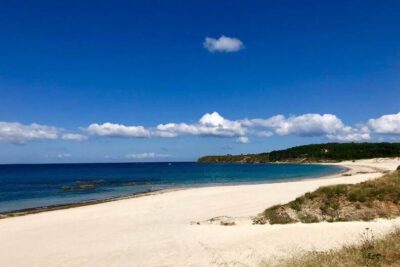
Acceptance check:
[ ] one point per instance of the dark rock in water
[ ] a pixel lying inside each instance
(78, 187)
(89, 182)
(87, 186)
(131, 184)
(398, 168)
(67, 187)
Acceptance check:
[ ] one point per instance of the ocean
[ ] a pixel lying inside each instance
(41, 185)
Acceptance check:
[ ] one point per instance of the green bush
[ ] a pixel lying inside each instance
(334, 190)
(308, 218)
(296, 204)
(363, 201)
(275, 215)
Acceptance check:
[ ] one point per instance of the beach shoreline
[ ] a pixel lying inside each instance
(40, 209)
(29, 211)
(175, 228)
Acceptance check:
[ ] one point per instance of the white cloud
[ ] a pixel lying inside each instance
(351, 134)
(386, 124)
(350, 137)
(146, 155)
(213, 124)
(223, 44)
(74, 137)
(273, 122)
(17, 133)
(175, 129)
(303, 125)
(310, 125)
(117, 130)
(210, 124)
(242, 140)
(212, 119)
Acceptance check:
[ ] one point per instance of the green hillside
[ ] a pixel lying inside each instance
(314, 153)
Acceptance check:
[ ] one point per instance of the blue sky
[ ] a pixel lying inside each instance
(147, 69)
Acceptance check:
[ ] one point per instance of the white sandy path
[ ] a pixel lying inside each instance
(156, 230)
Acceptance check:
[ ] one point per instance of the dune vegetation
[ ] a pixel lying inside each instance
(370, 252)
(378, 198)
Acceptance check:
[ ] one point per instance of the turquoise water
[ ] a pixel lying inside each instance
(30, 186)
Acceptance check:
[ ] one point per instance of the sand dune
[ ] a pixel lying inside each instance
(162, 229)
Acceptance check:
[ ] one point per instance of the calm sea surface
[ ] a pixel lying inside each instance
(30, 186)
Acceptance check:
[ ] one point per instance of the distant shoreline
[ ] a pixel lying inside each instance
(313, 153)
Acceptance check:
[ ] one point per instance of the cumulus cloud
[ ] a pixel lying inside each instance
(350, 137)
(242, 140)
(223, 44)
(213, 124)
(117, 130)
(146, 155)
(73, 137)
(386, 124)
(272, 122)
(303, 125)
(175, 129)
(328, 126)
(17, 133)
(351, 134)
(309, 125)
(210, 124)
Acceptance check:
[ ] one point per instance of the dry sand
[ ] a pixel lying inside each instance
(162, 229)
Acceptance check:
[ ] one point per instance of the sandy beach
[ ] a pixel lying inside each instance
(174, 228)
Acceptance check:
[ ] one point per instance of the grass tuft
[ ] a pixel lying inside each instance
(370, 253)
(276, 215)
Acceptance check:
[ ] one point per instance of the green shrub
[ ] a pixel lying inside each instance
(275, 215)
(310, 195)
(334, 190)
(296, 204)
(339, 202)
(358, 196)
(308, 218)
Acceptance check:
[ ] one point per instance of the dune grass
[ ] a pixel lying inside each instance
(370, 252)
(379, 198)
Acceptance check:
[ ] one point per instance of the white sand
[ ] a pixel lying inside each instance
(156, 230)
